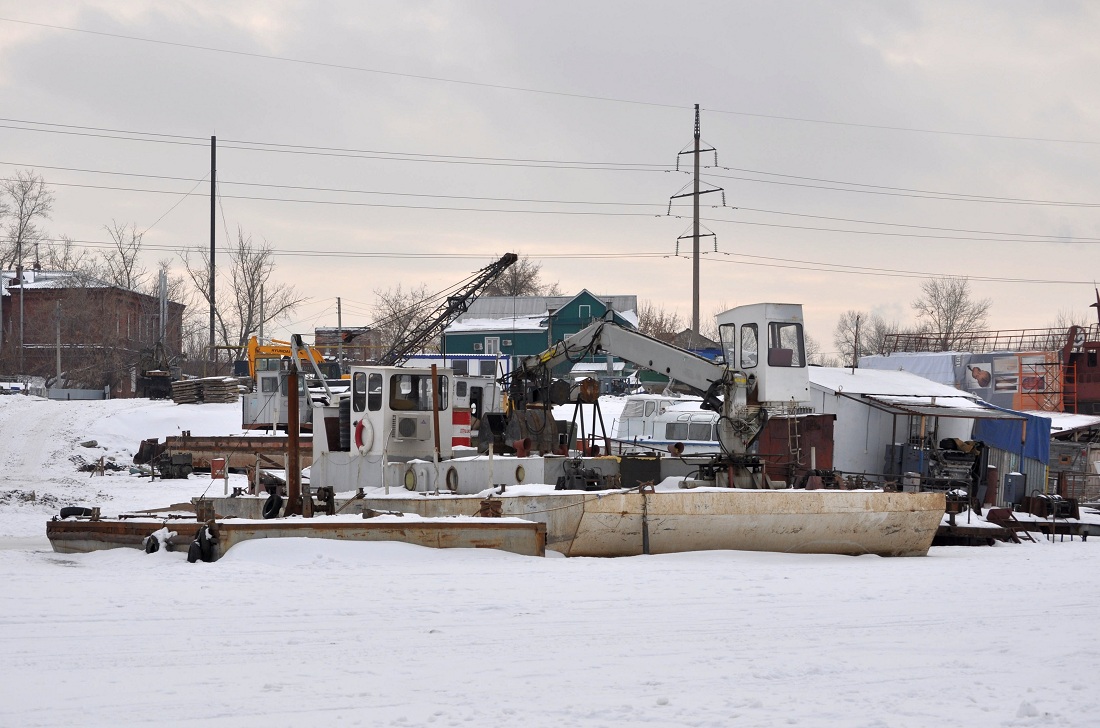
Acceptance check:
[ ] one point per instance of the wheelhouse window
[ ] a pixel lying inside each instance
(750, 346)
(413, 392)
(358, 391)
(374, 392)
(785, 345)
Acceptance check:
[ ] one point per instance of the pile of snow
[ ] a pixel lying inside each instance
(43, 444)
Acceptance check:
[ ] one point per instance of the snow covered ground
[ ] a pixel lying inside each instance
(310, 632)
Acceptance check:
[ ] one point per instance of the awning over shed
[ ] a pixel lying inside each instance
(939, 407)
(1034, 442)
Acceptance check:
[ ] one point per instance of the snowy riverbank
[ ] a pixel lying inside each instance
(308, 632)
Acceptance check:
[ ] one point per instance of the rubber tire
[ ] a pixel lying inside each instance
(70, 511)
(194, 552)
(272, 506)
(206, 544)
(152, 544)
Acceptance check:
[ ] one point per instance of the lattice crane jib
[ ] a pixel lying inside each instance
(445, 313)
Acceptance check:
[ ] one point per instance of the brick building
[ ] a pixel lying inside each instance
(100, 331)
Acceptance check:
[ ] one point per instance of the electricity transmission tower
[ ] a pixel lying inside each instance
(695, 149)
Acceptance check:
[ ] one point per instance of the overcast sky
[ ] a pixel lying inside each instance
(899, 139)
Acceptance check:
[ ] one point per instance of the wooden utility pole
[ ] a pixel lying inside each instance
(696, 228)
(339, 335)
(213, 207)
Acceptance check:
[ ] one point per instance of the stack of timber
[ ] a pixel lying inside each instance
(208, 389)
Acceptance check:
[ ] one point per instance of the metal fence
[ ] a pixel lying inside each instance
(75, 394)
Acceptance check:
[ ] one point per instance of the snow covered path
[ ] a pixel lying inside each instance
(310, 632)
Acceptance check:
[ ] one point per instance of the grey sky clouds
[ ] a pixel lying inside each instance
(1025, 71)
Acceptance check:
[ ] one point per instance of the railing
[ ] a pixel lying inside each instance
(984, 342)
(1085, 487)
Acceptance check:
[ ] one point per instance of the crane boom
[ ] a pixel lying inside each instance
(633, 346)
(445, 313)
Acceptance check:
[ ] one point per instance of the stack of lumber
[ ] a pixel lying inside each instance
(208, 389)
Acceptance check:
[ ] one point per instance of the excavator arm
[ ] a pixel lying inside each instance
(633, 346)
(725, 390)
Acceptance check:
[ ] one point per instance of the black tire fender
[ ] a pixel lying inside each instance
(71, 511)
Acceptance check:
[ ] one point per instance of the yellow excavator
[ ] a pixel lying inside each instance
(269, 357)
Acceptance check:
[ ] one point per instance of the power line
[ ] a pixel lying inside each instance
(547, 92)
(775, 262)
(1069, 238)
(825, 267)
(1039, 237)
(342, 203)
(302, 149)
(921, 236)
(930, 196)
(1035, 239)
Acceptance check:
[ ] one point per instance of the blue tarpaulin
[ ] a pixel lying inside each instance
(1006, 434)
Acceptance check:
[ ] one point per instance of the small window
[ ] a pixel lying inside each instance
(268, 385)
(460, 367)
(492, 345)
(699, 431)
(413, 392)
(677, 431)
(727, 335)
(785, 347)
(488, 368)
(750, 346)
(359, 391)
(584, 313)
(1092, 357)
(374, 392)
(650, 408)
(460, 389)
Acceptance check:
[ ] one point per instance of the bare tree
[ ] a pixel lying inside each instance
(237, 311)
(815, 356)
(947, 307)
(708, 326)
(24, 202)
(120, 263)
(1067, 318)
(658, 322)
(522, 278)
(62, 255)
(873, 330)
(396, 310)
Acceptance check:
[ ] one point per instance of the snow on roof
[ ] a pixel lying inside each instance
(526, 323)
(881, 382)
(40, 279)
(506, 306)
(1066, 421)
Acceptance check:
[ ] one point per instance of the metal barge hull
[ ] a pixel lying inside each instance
(628, 524)
(520, 537)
